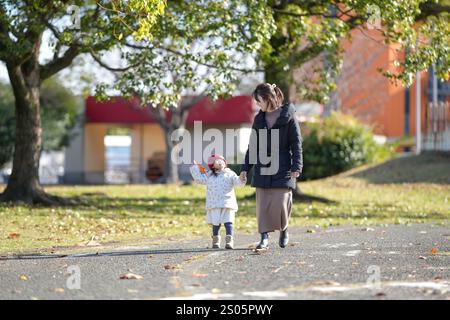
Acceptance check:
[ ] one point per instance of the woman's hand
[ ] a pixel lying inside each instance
(243, 176)
(295, 174)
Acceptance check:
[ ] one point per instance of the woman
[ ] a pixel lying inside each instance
(274, 192)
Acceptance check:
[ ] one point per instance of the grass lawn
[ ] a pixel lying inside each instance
(402, 191)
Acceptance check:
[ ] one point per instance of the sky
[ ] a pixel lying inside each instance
(84, 66)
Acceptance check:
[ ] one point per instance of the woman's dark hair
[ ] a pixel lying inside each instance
(270, 94)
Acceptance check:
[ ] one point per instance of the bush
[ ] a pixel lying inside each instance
(338, 143)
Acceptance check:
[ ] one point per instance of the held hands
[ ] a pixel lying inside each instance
(243, 176)
(295, 174)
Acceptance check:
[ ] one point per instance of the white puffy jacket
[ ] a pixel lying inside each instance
(220, 188)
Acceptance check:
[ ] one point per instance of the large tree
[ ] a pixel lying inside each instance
(59, 112)
(312, 31)
(309, 30)
(74, 27)
(199, 49)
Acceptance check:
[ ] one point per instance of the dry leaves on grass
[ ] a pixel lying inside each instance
(131, 276)
(13, 235)
(90, 243)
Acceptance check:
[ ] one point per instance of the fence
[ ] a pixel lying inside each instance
(436, 136)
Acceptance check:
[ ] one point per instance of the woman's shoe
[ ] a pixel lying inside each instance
(263, 244)
(284, 238)
(216, 242)
(229, 243)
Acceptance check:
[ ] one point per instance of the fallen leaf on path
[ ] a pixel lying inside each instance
(169, 267)
(260, 251)
(58, 290)
(434, 250)
(422, 258)
(131, 276)
(277, 269)
(199, 275)
(310, 231)
(380, 294)
(23, 278)
(13, 235)
(326, 283)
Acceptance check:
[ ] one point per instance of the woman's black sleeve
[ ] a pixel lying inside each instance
(295, 142)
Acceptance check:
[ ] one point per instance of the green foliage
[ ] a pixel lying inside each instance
(59, 111)
(309, 29)
(336, 144)
(198, 48)
(79, 25)
(7, 124)
(59, 114)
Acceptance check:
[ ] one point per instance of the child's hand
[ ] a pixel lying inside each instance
(200, 167)
(243, 176)
(295, 174)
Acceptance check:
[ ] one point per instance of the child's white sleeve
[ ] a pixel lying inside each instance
(199, 177)
(237, 181)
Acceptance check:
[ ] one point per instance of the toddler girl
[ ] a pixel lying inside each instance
(221, 204)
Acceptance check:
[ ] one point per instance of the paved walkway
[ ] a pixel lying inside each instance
(393, 262)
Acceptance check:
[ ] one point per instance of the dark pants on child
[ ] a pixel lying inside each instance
(228, 228)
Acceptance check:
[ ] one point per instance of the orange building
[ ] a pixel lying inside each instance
(364, 92)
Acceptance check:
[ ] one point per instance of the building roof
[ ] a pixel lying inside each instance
(239, 109)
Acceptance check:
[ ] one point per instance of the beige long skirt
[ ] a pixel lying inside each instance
(273, 208)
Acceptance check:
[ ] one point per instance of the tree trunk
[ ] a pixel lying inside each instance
(170, 167)
(23, 185)
(178, 117)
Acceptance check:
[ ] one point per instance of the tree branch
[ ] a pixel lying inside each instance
(173, 51)
(60, 63)
(113, 69)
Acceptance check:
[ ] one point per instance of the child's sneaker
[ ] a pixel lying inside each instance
(229, 243)
(216, 242)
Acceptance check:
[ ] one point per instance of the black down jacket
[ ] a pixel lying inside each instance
(288, 150)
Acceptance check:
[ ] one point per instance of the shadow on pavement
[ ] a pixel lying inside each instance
(113, 254)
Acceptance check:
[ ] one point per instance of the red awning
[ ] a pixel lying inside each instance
(239, 109)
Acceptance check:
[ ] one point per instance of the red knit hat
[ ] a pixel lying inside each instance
(214, 157)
